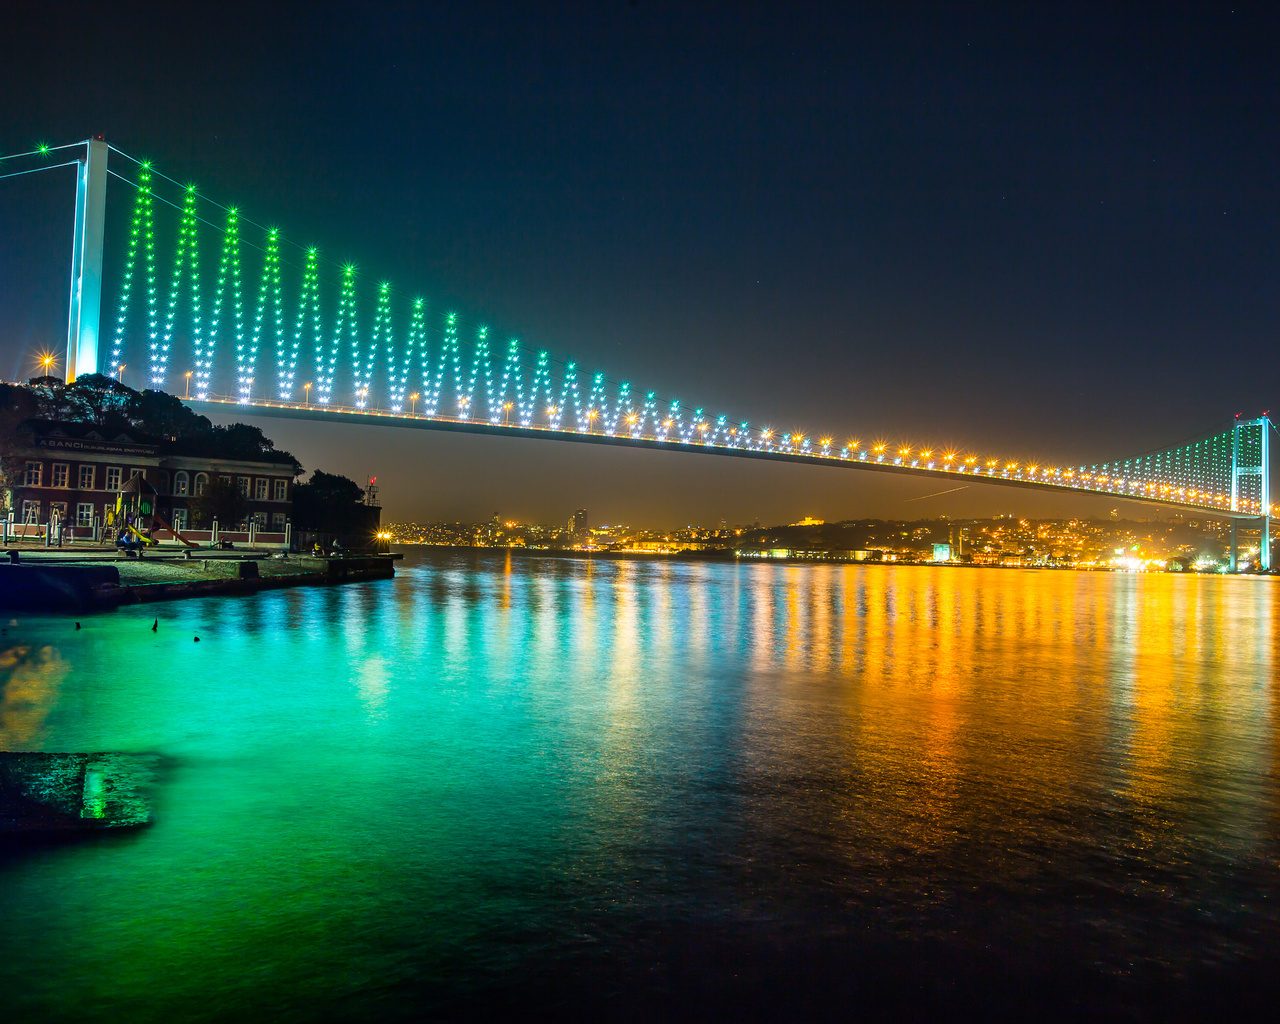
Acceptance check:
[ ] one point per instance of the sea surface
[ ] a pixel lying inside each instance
(555, 788)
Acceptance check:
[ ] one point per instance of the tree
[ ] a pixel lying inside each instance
(162, 415)
(17, 404)
(222, 501)
(104, 401)
(329, 503)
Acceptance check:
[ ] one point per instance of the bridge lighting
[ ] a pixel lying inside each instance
(950, 457)
(307, 390)
(42, 148)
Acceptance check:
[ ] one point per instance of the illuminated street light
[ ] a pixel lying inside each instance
(188, 376)
(413, 404)
(307, 389)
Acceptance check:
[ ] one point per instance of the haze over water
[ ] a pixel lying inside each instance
(569, 786)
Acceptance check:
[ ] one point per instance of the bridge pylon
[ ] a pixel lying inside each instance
(85, 311)
(1251, 481)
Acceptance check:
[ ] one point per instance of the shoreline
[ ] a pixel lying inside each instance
(50, 581)
(728, 556)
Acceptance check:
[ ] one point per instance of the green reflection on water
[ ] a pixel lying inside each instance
(490, 763)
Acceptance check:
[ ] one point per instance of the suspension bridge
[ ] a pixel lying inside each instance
(266, 324)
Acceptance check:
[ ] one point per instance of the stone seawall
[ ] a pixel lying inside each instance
(79, 583)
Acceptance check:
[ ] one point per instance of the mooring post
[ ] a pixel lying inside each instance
(85, 309)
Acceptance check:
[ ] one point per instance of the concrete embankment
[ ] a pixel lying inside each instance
(54, 793)
(87, 582)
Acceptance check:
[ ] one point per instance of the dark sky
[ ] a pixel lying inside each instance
(1047, 235)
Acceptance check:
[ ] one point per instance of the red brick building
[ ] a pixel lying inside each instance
(71, 473)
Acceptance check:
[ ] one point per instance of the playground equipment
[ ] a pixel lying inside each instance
(135, 517)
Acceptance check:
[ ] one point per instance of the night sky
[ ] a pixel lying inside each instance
(1039, 235)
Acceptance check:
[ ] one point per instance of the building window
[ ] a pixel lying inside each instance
(31, 512)
(60, 475)
(179, 518)
(84, 514)
(33, 476)
(260, 520)
(162, 482)
(86, 477)
(58, 511)
(138, 471)
(282, 490)
(260, 490)
(202, 481)
(113, 478)
(242, 484)
(180, 479)
(277, 520)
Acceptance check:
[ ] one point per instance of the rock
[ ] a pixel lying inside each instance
(49, 793)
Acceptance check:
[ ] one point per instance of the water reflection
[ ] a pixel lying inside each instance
(31, 678)
(495, 761)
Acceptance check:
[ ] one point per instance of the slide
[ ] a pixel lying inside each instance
(164, 525)
(147, 541)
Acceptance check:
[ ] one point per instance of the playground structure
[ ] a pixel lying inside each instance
(135, 518)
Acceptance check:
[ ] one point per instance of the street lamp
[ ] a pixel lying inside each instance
(306, 388)
(413, 404)
(188, 376)
(120, 373)
(506, 414)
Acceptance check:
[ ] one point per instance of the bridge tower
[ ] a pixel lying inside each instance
(86, 262)
(1250, 461)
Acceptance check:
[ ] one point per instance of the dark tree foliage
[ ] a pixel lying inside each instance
(222, 501)
(115, 409)
(329, 503)
(237, 441)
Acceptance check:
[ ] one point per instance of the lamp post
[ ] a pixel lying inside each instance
(188, 376)
(120, 373)
(413, 404)
(306, 388)
(506, 414)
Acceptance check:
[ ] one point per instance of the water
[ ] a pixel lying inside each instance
(567, 788)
